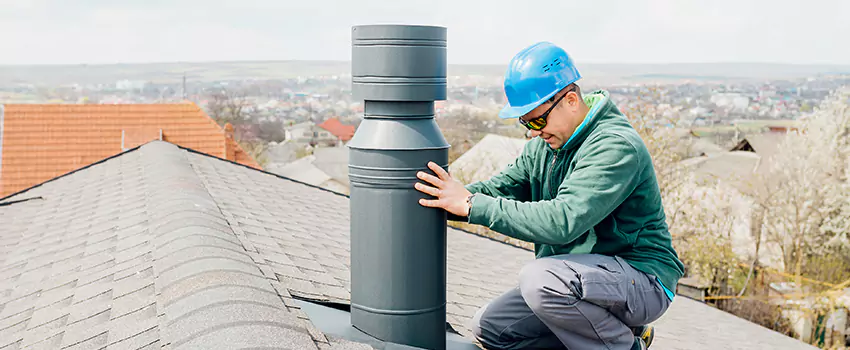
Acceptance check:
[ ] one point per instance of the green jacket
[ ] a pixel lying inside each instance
(597, 194)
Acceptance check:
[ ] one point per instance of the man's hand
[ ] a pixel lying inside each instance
(450, 193)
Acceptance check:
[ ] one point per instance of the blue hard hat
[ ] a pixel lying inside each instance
(534, 75)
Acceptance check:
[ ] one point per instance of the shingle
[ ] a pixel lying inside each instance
(55, 295)
(133, 300)
(217, 295)
(132, 243)
(95, 247)
(310, 264)
(62, 275)
(133, 265)
(19, 305)
(93, 288)
(98, 341)
(184, 222)
(45, 332)
(194, 272)
(190, 285)
(335, 292)
(48, 314)
(12, 345)
(51, 342)
(203, 255)
(323, 278)
(90, 307)
(132, 324)
(213, 265)
(189, 237)
(34, 274)
(87, 330)
(288, 271)
(13, 328)
(301, 287)
(146, 339)
(236, 319)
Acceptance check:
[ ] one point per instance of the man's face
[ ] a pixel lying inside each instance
(562, 120)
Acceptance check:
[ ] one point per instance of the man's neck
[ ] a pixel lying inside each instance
(583, 111)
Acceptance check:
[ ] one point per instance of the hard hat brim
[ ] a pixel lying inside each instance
(512, 112)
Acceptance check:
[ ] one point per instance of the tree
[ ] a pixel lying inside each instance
(231, 106)
(227, 106)
(807, 212)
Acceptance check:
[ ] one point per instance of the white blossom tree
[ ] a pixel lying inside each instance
(806, 212)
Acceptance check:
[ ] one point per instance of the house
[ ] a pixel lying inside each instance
(736, 173)
(765, 145)
(486, 158)
(342, 132)
(327, 167)
(40, 142)
(308, 133)
(282, 152)
(165, 246)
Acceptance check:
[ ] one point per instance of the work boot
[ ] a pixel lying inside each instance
(639, 344)
(645, 333)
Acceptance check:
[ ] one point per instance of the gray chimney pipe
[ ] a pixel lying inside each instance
(398, 248)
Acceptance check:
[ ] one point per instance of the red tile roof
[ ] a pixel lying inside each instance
(40, 142)
(338, 129)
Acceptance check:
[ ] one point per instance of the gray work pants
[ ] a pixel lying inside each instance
(574, 301)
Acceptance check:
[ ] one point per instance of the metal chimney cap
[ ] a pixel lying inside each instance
(398, 31)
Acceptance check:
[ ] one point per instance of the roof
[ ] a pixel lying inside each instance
(338, 129)
(488, 157)
(327, 167)
(40, 142)
(283, 152)
(333, 161)
(162, 245)
(766, 145)
(732, 167)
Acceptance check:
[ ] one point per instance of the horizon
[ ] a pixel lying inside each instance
(52, 32)
(612, 63)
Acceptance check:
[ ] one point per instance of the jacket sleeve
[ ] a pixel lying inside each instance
(511, 183)
(603, 178)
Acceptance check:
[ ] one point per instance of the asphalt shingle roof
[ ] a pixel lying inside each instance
(165, 247)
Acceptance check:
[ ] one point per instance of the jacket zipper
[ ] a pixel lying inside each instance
(549, 174)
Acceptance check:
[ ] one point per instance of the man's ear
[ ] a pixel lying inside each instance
(573, 99)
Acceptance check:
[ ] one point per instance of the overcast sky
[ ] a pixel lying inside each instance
(627, 31)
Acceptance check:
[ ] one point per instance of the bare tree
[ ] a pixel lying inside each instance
(227, 106)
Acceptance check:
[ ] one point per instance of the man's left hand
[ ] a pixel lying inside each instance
(450, 193)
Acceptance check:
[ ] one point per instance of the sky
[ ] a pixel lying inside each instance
(479, 32)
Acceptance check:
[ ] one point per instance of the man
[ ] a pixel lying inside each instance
(584, 192)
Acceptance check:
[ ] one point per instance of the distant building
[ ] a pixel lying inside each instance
(487, 158)
(342, 132)
(733, 101)
(327, 168)
(308, 133)
(282, 152)
(40, 142)
(741, 170)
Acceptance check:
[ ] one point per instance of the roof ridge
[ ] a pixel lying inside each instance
(187, 268)
(265, 172)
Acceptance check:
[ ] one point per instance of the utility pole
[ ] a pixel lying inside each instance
(184, 86)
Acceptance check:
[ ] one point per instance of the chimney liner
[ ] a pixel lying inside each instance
(398, 247)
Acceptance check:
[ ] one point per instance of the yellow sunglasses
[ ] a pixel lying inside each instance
(540, 122)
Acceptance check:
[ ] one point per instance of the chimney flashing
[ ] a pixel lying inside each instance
(334, 320)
